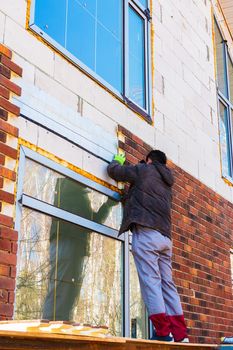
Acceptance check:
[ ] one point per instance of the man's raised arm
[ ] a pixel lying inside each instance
(120, 172)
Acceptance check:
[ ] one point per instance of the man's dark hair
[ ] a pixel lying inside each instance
(157, 155)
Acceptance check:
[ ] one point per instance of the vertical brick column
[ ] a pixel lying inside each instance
(202, 231)
(134, 148)
(8, 157)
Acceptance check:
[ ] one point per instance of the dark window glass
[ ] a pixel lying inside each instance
(136, 58)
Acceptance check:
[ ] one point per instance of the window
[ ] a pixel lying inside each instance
(225, 95)
(108, 39)
(71, 263)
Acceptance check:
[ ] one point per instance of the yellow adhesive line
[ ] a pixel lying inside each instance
(28, 14)
(67, 164)
(227, 182)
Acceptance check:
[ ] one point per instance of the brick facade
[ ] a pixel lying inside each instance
(202, 225)
(8, 156)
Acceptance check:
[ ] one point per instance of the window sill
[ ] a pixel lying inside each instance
(141, 113)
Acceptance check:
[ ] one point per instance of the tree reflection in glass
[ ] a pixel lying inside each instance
(68, 277)
(67, 272)
(41, 183)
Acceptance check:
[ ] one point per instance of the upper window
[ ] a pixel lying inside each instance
(225, 93)
(108, 39)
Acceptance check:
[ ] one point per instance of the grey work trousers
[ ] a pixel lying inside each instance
(152, 253)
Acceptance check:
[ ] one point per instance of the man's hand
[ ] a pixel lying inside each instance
(120, 158)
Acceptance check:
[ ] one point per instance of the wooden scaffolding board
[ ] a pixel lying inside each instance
(11, 340)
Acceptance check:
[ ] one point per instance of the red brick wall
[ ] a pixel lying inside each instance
(202, 225)
(8, 237)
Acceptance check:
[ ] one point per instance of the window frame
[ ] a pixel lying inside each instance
(225, 100)
(23, 200)
(143, 12)
(229, 136)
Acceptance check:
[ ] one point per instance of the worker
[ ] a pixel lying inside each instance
(147, 214)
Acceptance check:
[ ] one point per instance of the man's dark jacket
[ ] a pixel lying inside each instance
(148, 202)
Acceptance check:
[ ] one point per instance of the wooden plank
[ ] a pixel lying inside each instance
(32, 344)
(136, 344)
(37, 341)
(60, 337)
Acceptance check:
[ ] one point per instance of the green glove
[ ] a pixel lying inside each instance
(120, 158)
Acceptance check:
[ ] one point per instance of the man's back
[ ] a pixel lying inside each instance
(149, 199)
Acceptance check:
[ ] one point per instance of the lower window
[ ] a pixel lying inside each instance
(71, 265)
(68, 273)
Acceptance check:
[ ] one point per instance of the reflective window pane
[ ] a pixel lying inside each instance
(53, 188)
(138, 315)
(136, 58)
(92, 32)
(33, 265)
(221, 63)
(88, 5)
(51, 18)
(81, 32)
(230, 75)
(66, 272)
(224, 140)
(109, 42)
(144, 3)
(111, 23)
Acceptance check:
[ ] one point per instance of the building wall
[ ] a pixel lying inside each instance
(8, 165)
(184, 90)
(59, 99)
